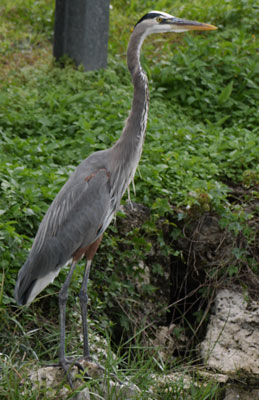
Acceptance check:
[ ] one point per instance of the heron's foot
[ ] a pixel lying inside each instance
(68, 364)
(96, 369)
(87, 366)
(92, 369)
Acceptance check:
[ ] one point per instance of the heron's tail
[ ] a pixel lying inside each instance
(33, 278)
(24, 284)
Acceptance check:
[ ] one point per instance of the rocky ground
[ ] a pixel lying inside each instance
(225, 338)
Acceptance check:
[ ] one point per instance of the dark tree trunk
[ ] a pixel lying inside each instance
(81, 31)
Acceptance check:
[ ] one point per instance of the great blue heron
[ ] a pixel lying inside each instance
(74, 223)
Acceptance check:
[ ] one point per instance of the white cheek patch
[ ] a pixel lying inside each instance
(164, 28)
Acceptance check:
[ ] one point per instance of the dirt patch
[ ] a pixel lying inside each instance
(207, 254)
(12, 63)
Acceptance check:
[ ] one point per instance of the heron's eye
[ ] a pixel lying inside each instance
(159, 20)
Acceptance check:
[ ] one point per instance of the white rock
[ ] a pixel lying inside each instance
(115, 391)
(239, 394)
(231, 344)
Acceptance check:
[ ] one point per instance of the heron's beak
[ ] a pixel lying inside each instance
(179, 25)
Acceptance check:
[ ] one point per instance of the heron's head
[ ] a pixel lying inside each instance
(159, 22)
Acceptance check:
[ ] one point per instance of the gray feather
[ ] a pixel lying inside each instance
(72, 221)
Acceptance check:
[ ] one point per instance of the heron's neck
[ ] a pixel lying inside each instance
(133, 133)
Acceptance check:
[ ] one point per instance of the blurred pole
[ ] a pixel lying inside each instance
(81, 32)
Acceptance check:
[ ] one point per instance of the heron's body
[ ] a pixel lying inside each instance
(92, 196)
(84, 207)
(86, 204)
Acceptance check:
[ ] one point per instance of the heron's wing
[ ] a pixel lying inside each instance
(77, 215)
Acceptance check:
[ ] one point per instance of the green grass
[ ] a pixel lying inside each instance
(144, 369)
(202, 140)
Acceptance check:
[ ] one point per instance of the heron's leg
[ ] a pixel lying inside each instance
(83, 297)
(63, 295)
(83, 293)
